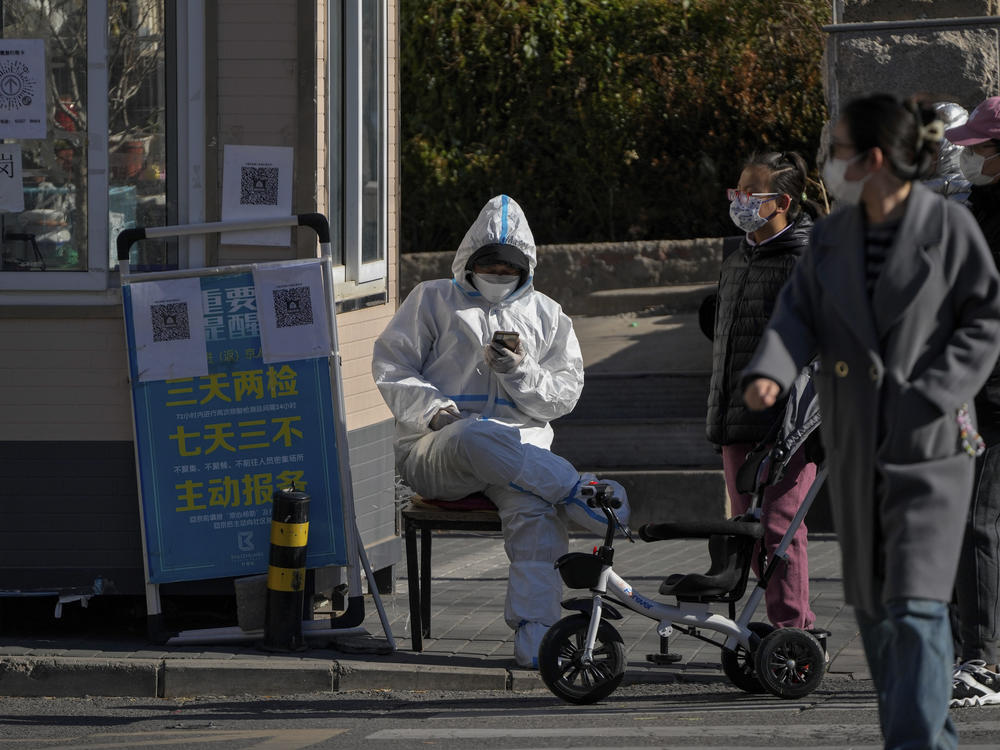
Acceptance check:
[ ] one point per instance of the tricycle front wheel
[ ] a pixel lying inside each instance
(560, 660)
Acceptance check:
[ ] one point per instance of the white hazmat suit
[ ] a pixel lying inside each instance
(431, 357)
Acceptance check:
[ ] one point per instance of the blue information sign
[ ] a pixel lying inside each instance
(213, 447)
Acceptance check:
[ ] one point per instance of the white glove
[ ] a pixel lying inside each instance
(502, 359)
(444, 417)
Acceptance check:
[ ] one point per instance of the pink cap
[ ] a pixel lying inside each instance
(983, 125)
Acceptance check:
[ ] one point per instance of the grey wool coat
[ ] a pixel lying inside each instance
(894, 370)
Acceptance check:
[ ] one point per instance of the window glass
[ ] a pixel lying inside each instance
(371, 148)
(137, 148)
(52, 232)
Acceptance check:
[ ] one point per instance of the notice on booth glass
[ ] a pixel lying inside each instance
(22, 88)
(11, 185)
(169, 329)
(256, 184)
(292, 312)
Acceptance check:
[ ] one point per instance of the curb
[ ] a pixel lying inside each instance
(36, 677)
(74, 677)
(70, 677)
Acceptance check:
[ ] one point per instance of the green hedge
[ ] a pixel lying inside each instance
(607, 120)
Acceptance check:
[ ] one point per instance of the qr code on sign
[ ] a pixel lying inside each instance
(170, 322)
(293, 307)
(259, 186)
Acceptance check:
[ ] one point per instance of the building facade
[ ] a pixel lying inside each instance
(141, 97)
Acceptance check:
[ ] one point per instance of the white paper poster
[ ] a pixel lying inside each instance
(11, 185)
(257, 184)
(169, 325)
(22, 88)
(292, 312)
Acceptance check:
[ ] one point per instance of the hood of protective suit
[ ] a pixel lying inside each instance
(501, 222)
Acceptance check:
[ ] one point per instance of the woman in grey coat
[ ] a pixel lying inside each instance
(900, 298)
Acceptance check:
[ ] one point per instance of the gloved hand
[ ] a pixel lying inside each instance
(502, 359)
(444, 417)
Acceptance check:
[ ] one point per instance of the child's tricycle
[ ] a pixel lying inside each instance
(582, 657)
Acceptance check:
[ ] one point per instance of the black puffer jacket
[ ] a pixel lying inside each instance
(985, 205)
(748, 288)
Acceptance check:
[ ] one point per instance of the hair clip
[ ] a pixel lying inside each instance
(932, 132)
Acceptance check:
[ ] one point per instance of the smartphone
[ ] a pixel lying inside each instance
(506, 339)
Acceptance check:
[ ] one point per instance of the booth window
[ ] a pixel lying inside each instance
(357, 168)
(102, 152)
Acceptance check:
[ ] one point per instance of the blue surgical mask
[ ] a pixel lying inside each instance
(495, 287)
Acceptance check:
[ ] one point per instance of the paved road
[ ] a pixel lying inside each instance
(839, 715)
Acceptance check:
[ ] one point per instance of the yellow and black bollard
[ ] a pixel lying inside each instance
(286, 572)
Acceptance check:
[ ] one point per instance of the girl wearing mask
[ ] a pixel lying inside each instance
(768, 204)
(900, 298)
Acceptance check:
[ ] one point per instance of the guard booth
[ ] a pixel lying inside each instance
(315, 79)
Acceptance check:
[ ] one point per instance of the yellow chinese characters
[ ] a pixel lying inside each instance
(232, 492)
(240, 385)
(248, 434)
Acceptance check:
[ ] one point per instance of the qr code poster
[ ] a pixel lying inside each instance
(11, 181)
(257, 184)
(213, 447)
(169, 324)
(22, 88)
(292, 311)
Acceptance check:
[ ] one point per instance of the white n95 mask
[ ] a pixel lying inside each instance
(495, 287)
(971, 165)
(843, 190)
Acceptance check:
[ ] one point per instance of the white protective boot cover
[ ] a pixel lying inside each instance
(593, 519)
(534, 538)
(527, 639)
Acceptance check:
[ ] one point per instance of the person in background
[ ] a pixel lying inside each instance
(977, 586)
(472, 413)
(898, 295)
(769, 205)
(947, 179)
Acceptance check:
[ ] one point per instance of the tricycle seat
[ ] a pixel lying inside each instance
(730, 546)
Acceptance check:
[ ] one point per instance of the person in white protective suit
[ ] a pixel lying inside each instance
(473, 416)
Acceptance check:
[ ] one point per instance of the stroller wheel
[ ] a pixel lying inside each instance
(739, 665)
(559, 660)
(790, 663)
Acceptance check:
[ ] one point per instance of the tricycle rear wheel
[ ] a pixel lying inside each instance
(790, 662)
(739, 664)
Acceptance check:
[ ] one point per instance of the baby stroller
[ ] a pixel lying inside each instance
(582, 658)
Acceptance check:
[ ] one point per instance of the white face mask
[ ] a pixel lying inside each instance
(971, 165)
(843, 190)
(495, 287)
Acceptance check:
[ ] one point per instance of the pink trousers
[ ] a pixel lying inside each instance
(787, 595)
